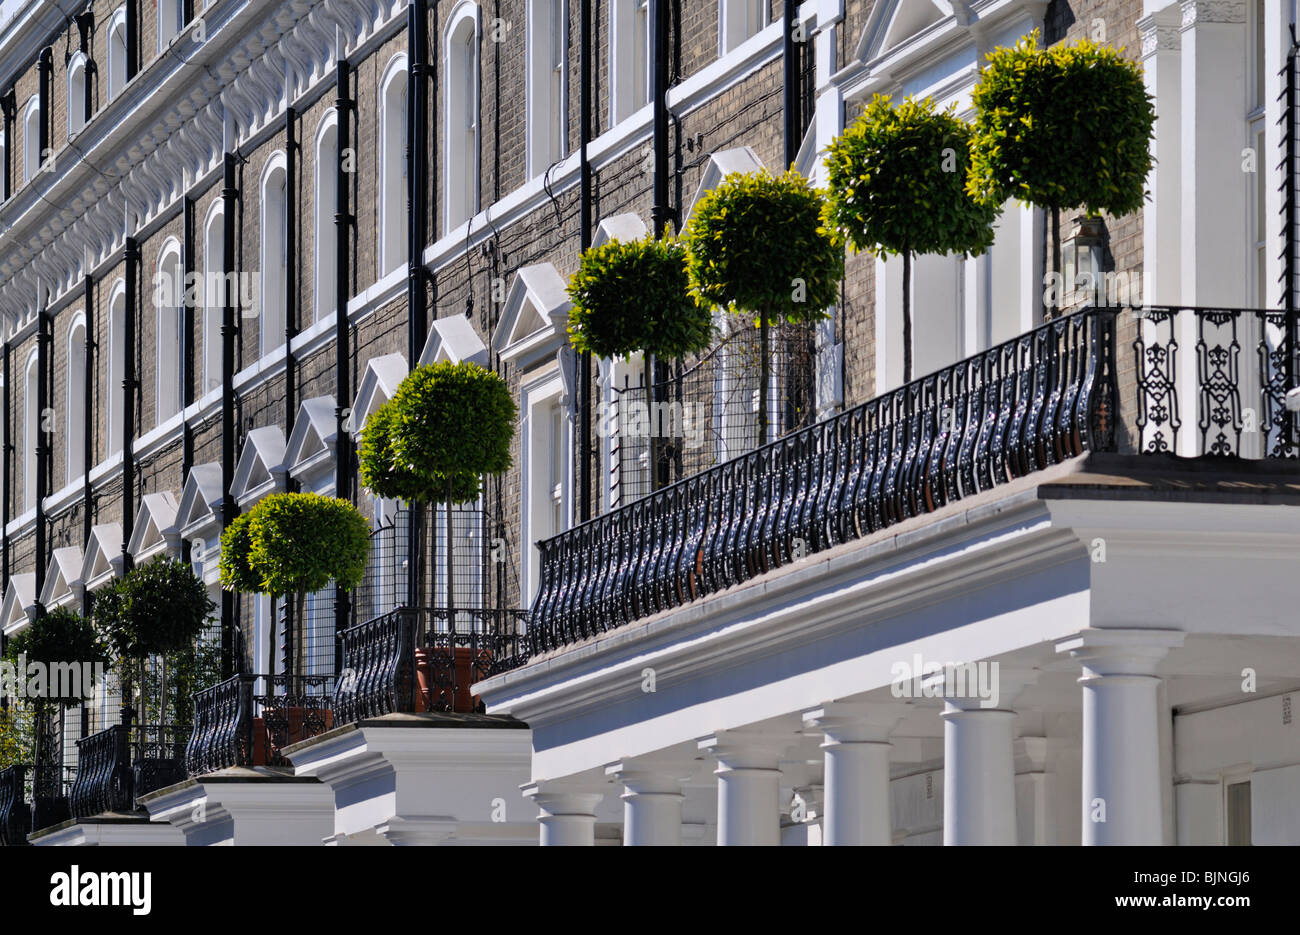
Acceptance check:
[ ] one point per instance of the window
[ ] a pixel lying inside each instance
(741, 19)
(547, 119)
(117, 53)
(392, 161)
(77, 115)
(31, 425)
(461, 196)
(327, 158)
(75, 406)
(275, 252)
(116, 367)
(168, 297)
(545, 443)
(31, 140)
(1237, 814)
(170, 20)
(213, 296)
(630, 74)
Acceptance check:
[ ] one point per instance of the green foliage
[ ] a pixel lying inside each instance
(158, 607)
(1062, 127)
(293, 543)
(447, 420)
(631, 296)
(60, 636)
(759, 243)
(17, 736)
(897, 179)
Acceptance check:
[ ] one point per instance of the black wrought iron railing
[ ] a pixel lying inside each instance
(1102, 379)
(247, 720)
(424, 659)
(118, 764)
(33, 798)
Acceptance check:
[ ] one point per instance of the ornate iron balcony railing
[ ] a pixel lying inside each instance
(122, 762)
(248, 719)
(424, 659)
(32, 798)
(1019, 407)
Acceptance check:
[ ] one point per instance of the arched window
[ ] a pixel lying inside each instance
(31, 425)
(327, 202)
(461, 195)
(546, 85)
(740, 19)
(169, 299)
(630, 69)
(170, 13)
(4, 159)
(117, 53)
(116, 367)
(275, 252)
(31, 139)
(77, 115)
(213, 296)
(75, 405)
(392, 167)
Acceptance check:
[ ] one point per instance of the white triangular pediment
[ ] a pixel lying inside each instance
(62, 578)
(260, 470)
(720, 165)
(535, 318)
(894, 22)
(200, 500)
(19, 604)
(155, 528)
(311, 444)
(625, 227)
(379, 381)
(103, 557)
(453, 338)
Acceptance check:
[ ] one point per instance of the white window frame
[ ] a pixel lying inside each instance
(326, 240)
(77, 111)
(115, 370)
(212, 292)
(547, 61)
(272, 308)
(31, 138)
(739, 20)
(169, 27)
(167, 365)
(537, 398)
(462, 178)
(31, 428)
(393, 190)
(116, 75)
(629, 74)
(75, 403)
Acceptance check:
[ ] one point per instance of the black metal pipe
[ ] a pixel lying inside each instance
(187, 347)
(584, 234)
(43, 430)
(290, 278)
(132, 39)
(45, 90)
(88, 421)
(342, 290)
(131, 258)
(790, 84)
(229, 330)
(8, 458)
(417, 325)
(1293, 193)
(661, 211)
(9, 106)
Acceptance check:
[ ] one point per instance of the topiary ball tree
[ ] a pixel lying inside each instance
(897, 180)
(759, 243)
(58, 640)
(292, 544)
(1062, 127)
(447, 426)
(635, 296)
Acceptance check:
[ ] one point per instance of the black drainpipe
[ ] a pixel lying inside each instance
(46, 69)
(9, 107)
(87, 437)
(132, 39)
(187, 350)
(656, 371)
(229, 329)
(42, 448)
(8, 457)
(342, 290)
(290, 279)
(584, 234)
(417, 317)
(132, 260)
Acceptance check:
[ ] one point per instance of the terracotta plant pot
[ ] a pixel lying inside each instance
(297, 717)
(431, 696)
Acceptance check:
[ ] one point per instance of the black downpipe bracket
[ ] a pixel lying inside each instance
(584, 234)
(131, 257)
(229, 330)
(43, 440)
(342, 290)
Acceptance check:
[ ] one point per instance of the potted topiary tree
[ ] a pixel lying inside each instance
(1061, 127)
(289, 545)
(447, 425)
(758, 243)
(634, 296)
(897, 179)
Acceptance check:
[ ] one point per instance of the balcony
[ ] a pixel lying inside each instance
(248, 719)
(124, 761)
(33, 798)
(1153, 381)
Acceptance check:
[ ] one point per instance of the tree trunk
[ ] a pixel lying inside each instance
(652, 438)
(451, 570)
(907, 316)
(1056, 253)
(764, 376)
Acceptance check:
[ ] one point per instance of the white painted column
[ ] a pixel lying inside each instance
(979, 775)
(1122, 788)
(856, 771)
(652, 806)
(1161, 230)
(749, 787)
(568, 816)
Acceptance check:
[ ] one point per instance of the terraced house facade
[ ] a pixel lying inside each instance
(230, 229)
